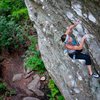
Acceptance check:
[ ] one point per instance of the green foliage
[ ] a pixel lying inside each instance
(10, 92)
(35, 63)
(32, 59)
(1, 97)
(5, 92)
(21, 13)
(60, 97)
(33, 40)
(2, 87)
(15, 8)
(11, 34)
(55, 93)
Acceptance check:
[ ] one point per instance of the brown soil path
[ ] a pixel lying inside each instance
(13, 64)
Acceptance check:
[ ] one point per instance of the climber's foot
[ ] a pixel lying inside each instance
(95, 75)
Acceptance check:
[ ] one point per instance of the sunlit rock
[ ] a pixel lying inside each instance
(53, 18)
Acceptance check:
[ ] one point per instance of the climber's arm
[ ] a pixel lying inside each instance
(74, 47)
(71, 27)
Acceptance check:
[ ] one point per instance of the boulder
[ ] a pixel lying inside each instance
(30, 98)
(34, 86)
(17, 77)
(51, 17)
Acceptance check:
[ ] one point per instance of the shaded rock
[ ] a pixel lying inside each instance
(1, 59)
(38, 92)
(1, 68)
(30, 98)
(28, 92)
(28, 74)
(34, 85)
(17, 97)
(17, 77)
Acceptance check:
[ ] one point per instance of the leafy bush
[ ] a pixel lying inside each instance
(10, 92)
(5, 92)
(2, 87)
(55, 93)
(32, 58)
(1, 97)
(11, 34)
(15, 8)
(22, 13)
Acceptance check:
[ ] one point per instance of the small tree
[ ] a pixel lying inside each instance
(11, 34)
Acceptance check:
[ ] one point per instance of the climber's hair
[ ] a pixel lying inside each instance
(63, 37)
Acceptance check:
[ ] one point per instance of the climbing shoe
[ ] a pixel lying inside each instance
(95, 75)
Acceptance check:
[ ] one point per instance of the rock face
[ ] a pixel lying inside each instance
(51, 17)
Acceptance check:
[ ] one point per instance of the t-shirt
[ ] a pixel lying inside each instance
(74, 42)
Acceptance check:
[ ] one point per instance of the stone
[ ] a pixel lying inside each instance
(38, 92)
(28, 74)
(17, 77)
(28, 71)
(60, 14)
(76, 90)
(28, 92)
(34, 86)
(30, 98)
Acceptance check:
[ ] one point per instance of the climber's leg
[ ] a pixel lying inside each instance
(86, 58)
(88, 62)
(82, 56)
(89, 69)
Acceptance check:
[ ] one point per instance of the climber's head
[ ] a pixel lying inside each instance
(63, 37)
(66, 38)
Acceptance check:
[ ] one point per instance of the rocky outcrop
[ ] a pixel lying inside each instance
(51, 17)
(35, 85)
(17, 77)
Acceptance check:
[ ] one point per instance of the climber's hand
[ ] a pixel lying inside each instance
(77, 22)
(71, 27)
(84, 37)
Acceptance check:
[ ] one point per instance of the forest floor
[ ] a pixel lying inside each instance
(13, 64)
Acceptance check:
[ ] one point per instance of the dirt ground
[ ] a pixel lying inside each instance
(13, 64)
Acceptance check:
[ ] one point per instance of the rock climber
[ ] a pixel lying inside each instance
(74, 50)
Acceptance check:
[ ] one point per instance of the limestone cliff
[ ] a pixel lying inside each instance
(50, 18)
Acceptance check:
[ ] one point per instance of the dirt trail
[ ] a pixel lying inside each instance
(13, 64)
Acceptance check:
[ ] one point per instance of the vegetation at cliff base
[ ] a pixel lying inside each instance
(16, 32)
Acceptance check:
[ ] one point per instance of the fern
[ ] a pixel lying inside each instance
(14, 8)
(11, 34)
(20, 13)
(55, 93)
(32, 58)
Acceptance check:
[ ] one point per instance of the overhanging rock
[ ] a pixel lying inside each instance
(51, 17)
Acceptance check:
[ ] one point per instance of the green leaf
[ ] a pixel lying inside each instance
(60, 98)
